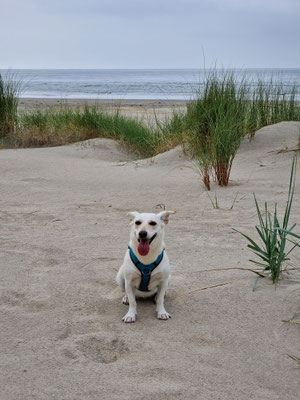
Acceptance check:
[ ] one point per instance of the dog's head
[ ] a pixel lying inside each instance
(147, 229)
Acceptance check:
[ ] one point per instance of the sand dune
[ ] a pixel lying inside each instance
(64, 232)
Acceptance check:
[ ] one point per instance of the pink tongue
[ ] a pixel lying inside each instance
(144, 247)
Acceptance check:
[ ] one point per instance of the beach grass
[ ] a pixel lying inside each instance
(221, 113)
(217, 121)
(10, 88)
(172, 131)
(271, 104)
(67, 125)
(224, 112)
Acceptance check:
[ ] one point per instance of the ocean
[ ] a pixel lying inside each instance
(164, 84)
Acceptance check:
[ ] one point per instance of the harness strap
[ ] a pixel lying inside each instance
(145, 269)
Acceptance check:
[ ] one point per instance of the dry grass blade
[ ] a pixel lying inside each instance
(294, 319)
(284, 150)
(233, 268)
(291, 321)
(204, 288)
(297, 359)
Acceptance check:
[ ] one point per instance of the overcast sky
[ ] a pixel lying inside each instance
(149, 33)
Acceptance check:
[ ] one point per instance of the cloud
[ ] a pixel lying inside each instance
(148, 33)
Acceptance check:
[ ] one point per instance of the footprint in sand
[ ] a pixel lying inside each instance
(18, 299)
(98, 348)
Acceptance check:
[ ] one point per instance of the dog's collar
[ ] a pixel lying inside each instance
(145, 269)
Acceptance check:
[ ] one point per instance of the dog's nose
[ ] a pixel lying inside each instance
(143, 234)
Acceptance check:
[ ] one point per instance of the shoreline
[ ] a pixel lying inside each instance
(130, 105)
(33, 103)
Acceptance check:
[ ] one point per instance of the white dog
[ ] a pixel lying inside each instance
(145, 271)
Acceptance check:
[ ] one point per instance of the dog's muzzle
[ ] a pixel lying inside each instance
(143, 237)
(144, 243)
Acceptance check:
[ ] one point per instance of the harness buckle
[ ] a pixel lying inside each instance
(146, 271)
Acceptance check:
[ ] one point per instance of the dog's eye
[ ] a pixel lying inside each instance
(138, 222)
(152, 223)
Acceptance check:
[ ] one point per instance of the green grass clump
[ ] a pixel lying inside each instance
(273, 236)
(9, 91)
(226, 110)
(270, 104)
(172, 131)
(217, 122)
(67, 125)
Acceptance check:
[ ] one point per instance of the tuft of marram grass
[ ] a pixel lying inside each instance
(10, 88)
(171, 132)
(270, 104)
(226, 110)
(67, 125)
(217, 119)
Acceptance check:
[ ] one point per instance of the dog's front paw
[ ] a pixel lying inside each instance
(129, 317)
(163, 315)
(125, 300)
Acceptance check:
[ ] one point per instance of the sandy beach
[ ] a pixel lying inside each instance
(145, 110)
(64, 232)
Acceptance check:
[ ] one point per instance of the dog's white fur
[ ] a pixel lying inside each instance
(129, 277)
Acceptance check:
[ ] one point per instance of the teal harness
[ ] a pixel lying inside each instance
(145, 270)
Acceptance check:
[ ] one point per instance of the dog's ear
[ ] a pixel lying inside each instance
(164, 216)
(132, 215)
